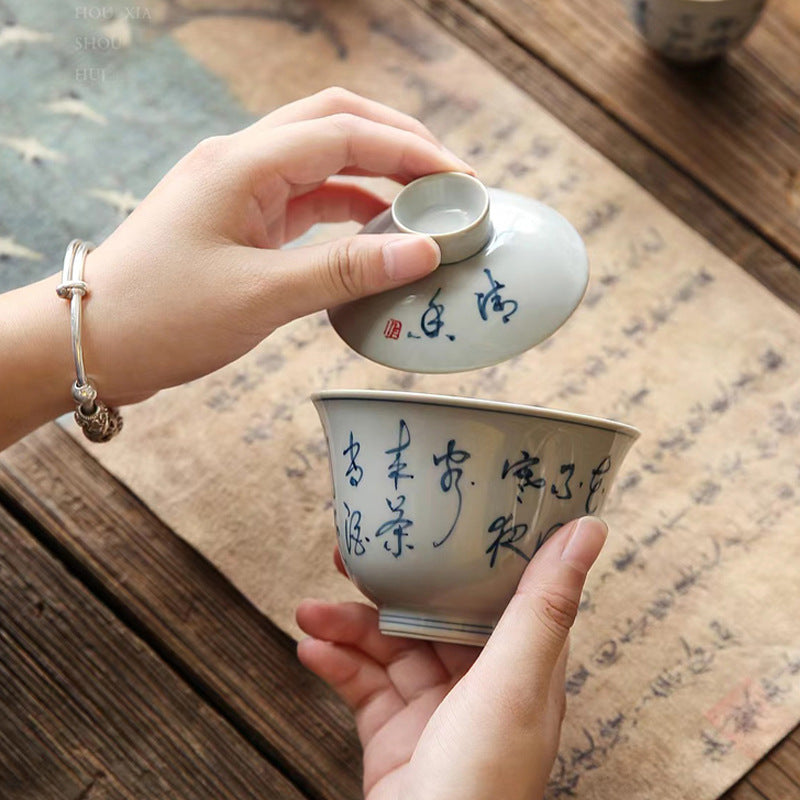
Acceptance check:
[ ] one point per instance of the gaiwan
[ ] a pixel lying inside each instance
(440, 502)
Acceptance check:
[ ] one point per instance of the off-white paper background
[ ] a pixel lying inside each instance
(685, 664)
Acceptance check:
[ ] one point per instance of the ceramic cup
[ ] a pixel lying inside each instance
(450, 207)
(692, 31)
(440, 502)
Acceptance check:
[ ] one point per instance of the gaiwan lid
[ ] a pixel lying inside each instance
(513, 270)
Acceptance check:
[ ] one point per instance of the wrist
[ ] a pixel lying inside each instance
(35, 357)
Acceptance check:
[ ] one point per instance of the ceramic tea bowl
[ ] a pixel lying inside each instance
(440, 502)
(692, 31)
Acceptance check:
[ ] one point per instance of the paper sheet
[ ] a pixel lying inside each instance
(685, 663)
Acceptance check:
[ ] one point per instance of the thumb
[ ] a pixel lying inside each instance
(308, 279)
(528, 640)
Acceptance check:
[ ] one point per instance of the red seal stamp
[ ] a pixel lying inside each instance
(392, 329)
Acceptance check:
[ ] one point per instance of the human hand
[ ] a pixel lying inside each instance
(448, 722)
(193, 278)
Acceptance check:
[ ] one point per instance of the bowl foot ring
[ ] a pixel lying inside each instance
(420, 625)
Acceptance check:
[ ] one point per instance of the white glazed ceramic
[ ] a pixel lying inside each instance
(522, 271)
(692, 31)
(451, 207)
(440, 502)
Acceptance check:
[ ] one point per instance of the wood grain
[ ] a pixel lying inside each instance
(773, 782)
(682, 193)
(775, 777)
(177, 602)
(734, 124)
(90, 711)
(787, 759)
(743, 790)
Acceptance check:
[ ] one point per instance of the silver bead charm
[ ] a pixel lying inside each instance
(101, 424)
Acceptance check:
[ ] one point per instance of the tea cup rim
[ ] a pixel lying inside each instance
(477, 404)
(456, 244)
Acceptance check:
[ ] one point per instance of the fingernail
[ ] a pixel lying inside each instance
(585, 543)
(409, 257)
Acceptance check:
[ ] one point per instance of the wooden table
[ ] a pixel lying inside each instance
(129, 667)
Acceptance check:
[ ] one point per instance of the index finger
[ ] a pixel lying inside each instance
(336, 100)
(311, 151)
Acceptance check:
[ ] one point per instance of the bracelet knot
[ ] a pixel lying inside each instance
(69, 289)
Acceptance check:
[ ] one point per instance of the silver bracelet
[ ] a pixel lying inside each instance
(98, 422)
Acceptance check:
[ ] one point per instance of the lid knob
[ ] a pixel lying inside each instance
(450, 207)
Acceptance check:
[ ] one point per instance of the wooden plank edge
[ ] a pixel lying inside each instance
(245, 669)
(90, 707)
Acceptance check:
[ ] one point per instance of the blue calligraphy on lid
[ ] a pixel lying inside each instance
(493, 300)
(431, 322)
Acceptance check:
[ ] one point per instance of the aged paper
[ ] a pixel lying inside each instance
(685, 664)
